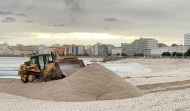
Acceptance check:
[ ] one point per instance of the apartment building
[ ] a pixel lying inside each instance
(140, 46)
(89, 50)
(43, 49)
(187, 39)
(158, 51)
(95, 49)
(75, 50)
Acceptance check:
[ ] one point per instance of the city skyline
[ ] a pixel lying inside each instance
(88, 22)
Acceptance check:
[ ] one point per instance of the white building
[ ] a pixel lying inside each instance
(140, 46)
(6, 52)
(43, 49)
(187, 39)
(160, 50)
(17, 52)
(81, 50)
(95, 49)
(75, 50)
(116, 50)
(123, 47)
(71, 50)
(89, 50)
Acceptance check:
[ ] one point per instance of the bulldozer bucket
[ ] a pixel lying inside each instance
(65, 64)
(58, 73)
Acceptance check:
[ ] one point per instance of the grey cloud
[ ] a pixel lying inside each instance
(53, 25)
(9, 20)
(73, 5)
(5, 13)
(106, 28)
(23, 15)
(74, 9)
(11, 13)
(165, 18)
(110, 20)
(60, 25)
(29, 21)
(57, 25)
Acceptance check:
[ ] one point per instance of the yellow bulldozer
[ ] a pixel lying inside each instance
(44, 67)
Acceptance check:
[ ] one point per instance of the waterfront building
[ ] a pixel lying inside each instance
(187, 39)
(140, 46)
(43, 49)
(179, 49)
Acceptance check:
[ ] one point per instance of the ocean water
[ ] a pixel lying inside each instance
(123, 68)
(9, 67)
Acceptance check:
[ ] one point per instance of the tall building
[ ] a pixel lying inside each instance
(187, 39)
(95, 49)
(43, 49)
(75, 50)
(123, 47)
(105, 50)
(81, 50)
(102, 49)
(140, 46)
(89, 50)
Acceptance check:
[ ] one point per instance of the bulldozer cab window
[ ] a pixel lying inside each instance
(34, 60)
(41, 63)
(46, 59)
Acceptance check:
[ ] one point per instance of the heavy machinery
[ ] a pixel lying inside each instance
(44, 67)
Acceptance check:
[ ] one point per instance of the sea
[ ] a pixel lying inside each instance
(9, 67)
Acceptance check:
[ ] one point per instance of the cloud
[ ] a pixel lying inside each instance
(110, 20)
(22, 15)
(106, 28)
(29, 21)
(57, 25)
(11, 13)
(5, 13)
(166, 19)
(74, 9)
(9, 20)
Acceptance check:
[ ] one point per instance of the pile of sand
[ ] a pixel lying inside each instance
(94, 82)
(68, 72)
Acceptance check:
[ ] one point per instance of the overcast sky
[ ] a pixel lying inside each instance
(89, 21)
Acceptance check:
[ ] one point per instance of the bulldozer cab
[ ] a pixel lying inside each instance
(41, 60)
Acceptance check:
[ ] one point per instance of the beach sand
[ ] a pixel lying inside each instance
(162, 71)
(162, 91)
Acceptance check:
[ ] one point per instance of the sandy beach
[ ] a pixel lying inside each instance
(166, 87)
(162, 71)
